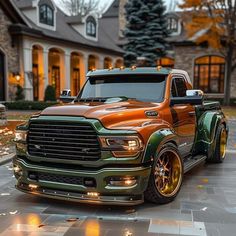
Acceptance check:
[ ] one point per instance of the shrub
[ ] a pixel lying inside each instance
(28, 105)
(50, 94)
(19, 93)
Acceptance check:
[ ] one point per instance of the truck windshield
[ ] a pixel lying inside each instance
(139, 87)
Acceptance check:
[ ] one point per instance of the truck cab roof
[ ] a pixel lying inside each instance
(138, 71)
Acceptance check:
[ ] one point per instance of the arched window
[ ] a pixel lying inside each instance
(166, 62)
(107, 63)
(46, 15)
(172, 25)
(209, 74)
(91, 26)
(91, 62)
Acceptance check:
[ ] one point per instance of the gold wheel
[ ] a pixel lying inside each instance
(168, 173)
(223, 141)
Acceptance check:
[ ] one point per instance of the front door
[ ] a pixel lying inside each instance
(76, 81)
(183, 117)
(2, 76)
(36, 82)
(56, 80)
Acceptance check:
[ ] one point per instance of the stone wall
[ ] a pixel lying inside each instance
(122, 21)
(11, 52)
(186, 55)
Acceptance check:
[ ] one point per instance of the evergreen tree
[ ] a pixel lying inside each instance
(146, 31)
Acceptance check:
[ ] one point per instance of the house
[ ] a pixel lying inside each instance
(40, 45)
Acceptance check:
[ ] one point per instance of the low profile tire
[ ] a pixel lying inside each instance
(166, 177)
(220, 146)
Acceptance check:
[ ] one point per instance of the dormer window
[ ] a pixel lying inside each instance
(46, 15)
(172, 25)
(91, 27)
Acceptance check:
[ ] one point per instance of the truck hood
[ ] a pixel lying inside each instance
(119, 114)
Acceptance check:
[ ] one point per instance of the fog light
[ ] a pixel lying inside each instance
(17, 171)
(33, 186)
(93, 194)
(122, 181)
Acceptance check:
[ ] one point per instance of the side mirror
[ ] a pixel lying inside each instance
(193, 97)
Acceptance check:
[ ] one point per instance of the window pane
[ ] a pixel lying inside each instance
(181, 87)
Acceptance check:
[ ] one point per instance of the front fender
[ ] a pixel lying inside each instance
(207, 128)
(156, 142)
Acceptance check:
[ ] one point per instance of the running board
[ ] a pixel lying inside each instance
(194, 161)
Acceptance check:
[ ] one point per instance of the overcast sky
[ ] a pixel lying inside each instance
(109, 2)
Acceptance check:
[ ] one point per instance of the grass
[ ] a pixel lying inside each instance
(230, 112)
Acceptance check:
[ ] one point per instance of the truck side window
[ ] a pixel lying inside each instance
(179, 87)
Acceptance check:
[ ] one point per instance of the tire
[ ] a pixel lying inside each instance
(164, 185)
(220, 145)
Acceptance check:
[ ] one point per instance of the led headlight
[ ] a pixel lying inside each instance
(20, 136)
(122, 146)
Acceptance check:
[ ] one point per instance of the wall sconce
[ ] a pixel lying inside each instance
(17, 76)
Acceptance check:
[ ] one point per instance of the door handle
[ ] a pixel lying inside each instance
(192, 113)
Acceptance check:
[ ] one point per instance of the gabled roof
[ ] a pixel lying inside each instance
(66, 33)
(113, 10)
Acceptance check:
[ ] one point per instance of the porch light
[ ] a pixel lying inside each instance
(110, 68)
(134, 67)
(122, 68)
(17, 76)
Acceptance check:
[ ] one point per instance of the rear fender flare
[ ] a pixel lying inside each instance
(207, 128)
(156, 142)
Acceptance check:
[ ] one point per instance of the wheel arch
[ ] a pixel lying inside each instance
(207, 127)
(156, 142)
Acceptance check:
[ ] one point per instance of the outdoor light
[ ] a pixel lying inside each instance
(122, 181)
(134, 67)
(17, 76)
(122, 68)
(120, 146)
(20, 136)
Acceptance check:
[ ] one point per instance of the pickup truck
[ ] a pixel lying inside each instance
(129, 136)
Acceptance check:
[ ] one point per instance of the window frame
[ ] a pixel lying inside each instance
(91, 25)
(46, 20)
(170, 25)
(174, 77)
(209, 65)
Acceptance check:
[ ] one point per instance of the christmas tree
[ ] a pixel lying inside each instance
(146, 31)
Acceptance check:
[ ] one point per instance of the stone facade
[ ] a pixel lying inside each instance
(10, 51)
(122, 16)
(185, 57)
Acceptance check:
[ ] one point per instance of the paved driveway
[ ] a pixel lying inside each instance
(206, 205)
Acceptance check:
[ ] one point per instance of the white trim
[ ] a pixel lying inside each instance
(85, 26)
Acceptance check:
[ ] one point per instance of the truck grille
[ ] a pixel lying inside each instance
(62, 140)
(61, 179)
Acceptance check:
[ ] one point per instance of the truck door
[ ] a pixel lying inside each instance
(183, 116)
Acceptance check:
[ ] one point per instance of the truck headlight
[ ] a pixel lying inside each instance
(122, 146)
(20, 136)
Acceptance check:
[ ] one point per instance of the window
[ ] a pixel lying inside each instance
(91, 27)
(178, 88)
(46, 15)
(209, 74)
(172, 25)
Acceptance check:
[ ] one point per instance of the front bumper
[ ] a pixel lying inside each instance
(131, 195)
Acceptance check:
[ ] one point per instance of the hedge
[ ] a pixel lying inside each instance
(28, 105)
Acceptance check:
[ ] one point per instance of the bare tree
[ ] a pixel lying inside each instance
(83, 7)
